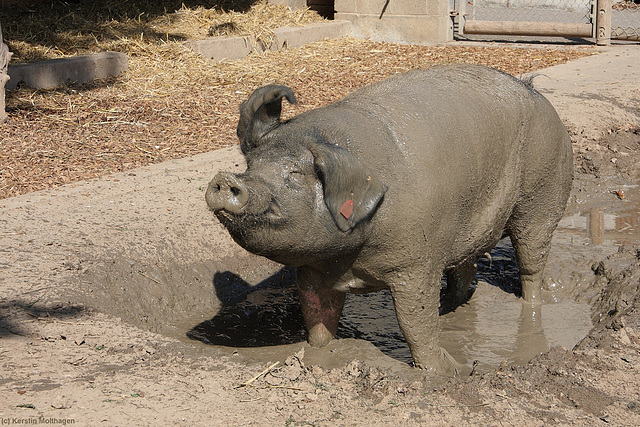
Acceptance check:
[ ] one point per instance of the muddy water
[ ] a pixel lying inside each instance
(248, 306)
(494, 327)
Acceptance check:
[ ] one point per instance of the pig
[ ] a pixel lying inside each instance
(393, 186)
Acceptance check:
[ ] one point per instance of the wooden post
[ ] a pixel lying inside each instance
(596, 226)
(603, 23)
(5, 55)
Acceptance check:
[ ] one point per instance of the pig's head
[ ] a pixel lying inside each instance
(301, 198)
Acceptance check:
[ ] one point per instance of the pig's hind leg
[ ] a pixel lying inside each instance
(530, 234)
(544, 188)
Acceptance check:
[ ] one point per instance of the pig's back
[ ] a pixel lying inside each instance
(449, 142)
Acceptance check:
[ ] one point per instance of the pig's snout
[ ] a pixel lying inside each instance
(226, 191)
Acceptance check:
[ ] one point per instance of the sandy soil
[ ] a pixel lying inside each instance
(96, 278)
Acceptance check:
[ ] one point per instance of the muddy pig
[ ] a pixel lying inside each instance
(396, 184)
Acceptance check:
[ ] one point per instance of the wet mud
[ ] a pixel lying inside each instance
(494, 327)
(247, 305)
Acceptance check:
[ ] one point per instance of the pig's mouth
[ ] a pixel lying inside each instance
(245, 220)
(241, 207)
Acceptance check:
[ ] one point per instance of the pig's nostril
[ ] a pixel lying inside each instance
(235, 191)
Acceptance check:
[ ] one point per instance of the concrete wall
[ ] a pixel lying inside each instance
(398, 21)
(401, 21)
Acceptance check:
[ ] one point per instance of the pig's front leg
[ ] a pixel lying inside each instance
(321, 306)
(416, 298)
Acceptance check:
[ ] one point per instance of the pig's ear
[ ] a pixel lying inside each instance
(351, 193)
(260, 114)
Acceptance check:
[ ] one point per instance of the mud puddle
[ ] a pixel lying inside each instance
(248, 306)
(494, 327)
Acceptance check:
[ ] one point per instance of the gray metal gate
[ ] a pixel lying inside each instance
(560, 18)
(625, 20)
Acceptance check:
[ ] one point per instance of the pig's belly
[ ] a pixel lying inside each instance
(355, 285)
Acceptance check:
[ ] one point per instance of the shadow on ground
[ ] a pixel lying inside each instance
(269, 314)
(79, 24)
(15, 314)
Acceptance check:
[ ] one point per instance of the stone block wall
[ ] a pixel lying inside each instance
(401, 21)
(424, 22)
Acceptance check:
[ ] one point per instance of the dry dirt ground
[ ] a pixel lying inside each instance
(86, 269)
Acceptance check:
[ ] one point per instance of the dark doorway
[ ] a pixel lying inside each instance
(325, 8)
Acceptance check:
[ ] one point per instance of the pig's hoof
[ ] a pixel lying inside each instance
(319, 336)
(531, 289)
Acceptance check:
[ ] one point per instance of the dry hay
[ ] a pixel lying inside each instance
(55, 29)
(173, 103)
(626, 5)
